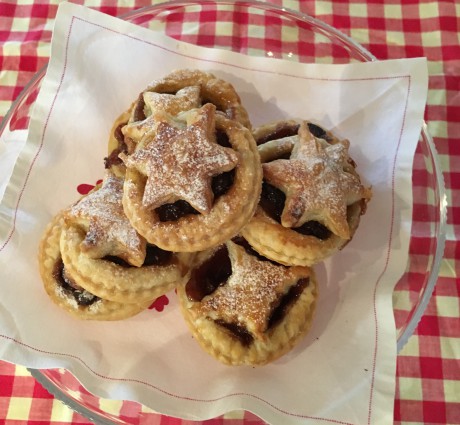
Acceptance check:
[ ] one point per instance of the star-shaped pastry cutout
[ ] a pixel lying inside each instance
(184, 100)
(108, 231)
(251, 292)
(316, 183)
(181, 159)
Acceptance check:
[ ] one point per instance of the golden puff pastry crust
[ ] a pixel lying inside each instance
(62, 289)
(107, 257)
(312, 199)
(193, 182)
(244, 309)
(180, 91)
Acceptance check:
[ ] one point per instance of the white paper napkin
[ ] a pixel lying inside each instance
(11, 144)
(344, 370)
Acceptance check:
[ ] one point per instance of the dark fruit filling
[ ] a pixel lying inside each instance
(174, 211)
(363, 206)
(138, 113)
(222, 139)
(220, 185)
(282, 130)
(272, 201)
(81, 296)
(113, 158)
(117, 260)
(285, 130)
(206, 278)
(314, 228)
(238, 331)
(287, 301)
(219, 107)
(119, 136)
(239, 240)
(154, 256)
(317, 131)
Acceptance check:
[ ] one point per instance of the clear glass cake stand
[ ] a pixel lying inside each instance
(262, 29)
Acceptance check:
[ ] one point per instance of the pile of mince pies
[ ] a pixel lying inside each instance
(195, 199)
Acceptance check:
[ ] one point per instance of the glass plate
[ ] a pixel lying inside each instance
(262, 29)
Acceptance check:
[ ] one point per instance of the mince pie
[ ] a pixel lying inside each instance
(245, 309)
(107, 257)
(193, 181)
(181, 91)
(312, 197)
(63, 290)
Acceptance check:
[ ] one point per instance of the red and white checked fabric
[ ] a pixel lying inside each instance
(428, 368)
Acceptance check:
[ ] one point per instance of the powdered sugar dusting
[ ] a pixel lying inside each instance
(184, 100)
(63, 294)
(70, 300)
(316, 183)
(108, 229)
(250, 293)
(96, 306)
(181, 160)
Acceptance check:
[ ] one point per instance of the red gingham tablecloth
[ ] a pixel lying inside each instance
(428, 368)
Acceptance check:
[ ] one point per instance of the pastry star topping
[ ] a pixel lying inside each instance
(179, 159)
(251, 292)
(184, 100)
(316, 183)
(108, 231)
